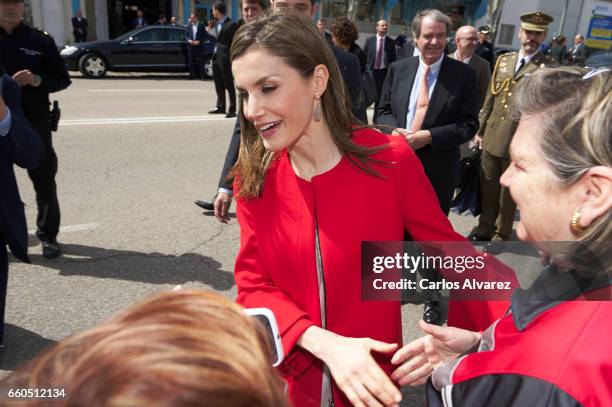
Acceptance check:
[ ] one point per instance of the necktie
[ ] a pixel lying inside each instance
(422, 102)
(379, 55)
(521, 65)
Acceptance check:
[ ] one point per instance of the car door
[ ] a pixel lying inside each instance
(144, 49)
(176, 48)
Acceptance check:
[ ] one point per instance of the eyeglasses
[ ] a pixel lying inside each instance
(469, 39)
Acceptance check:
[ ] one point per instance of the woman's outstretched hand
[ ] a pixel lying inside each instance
(418, 359)
(352, 366)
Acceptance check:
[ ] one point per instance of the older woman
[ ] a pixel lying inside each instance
(305, 182)
(553, 347)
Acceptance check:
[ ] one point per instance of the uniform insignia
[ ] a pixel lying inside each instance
(30, 52)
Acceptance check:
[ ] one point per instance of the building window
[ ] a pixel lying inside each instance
(506, 34)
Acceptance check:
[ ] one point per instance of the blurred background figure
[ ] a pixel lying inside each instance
(139, 21)
(344, 34)
(400, 41)
(559, 51)
(161, 20)
(173, 22)
(485, 48)
(176, 349)
(578, 53)
(380, 54)
(195, 35)
(322, 27)
(467, 41)
(79, 27)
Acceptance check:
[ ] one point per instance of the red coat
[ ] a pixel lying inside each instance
(276, 265)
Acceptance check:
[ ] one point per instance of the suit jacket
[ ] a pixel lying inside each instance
(201, 34)
(483, 75)
(496, 125)
(351, 73)
(578, 54)
(224, 40)
(388, 55)
(23, 147)
(79, 26)
(136, 23)
(452, 117)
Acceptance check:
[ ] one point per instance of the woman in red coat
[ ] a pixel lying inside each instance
(310, 190)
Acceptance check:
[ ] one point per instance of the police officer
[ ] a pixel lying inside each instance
(485, 48)
(497, 128)
(31, 57)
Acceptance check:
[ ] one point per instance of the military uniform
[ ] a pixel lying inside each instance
(34, 50)
(496, 130)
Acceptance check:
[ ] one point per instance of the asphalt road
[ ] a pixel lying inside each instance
(134, 152)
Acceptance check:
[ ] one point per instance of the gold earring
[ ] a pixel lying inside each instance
(317, 114)
(575, 225)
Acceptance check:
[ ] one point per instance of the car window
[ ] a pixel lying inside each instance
(175, 34)
(154, 34)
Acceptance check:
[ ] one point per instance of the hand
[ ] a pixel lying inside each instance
(419, 358)
(25, 78)
(222, 205)
(196, 43)
(416, 139)
(477, 142)
(352, 366)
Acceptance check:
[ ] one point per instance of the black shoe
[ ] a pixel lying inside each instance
(432, 312)
(494, 247)
(229, 115)
(217, 111)
(474, 236)
(50, 250)
(208, 205)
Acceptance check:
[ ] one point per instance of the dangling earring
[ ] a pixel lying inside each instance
(317, 114)
(577, 229)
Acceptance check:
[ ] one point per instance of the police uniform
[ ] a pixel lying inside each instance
(497, 129)
(485, 49)
(34, 50)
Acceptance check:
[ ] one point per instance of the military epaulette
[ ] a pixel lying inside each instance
(43, 32)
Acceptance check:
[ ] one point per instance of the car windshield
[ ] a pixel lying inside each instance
(135, 34)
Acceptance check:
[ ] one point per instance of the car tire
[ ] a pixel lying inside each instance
(208, 68)
(92, 65)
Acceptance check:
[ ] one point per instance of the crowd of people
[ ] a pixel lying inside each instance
(301, 148)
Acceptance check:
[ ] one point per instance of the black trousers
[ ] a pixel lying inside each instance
(196, 63)
(43, 178)
(222, 75)
(3, 283)
(379, 79)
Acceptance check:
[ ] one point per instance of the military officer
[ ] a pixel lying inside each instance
(31, 57)
(497, 128)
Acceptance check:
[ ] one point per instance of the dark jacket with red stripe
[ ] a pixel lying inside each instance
(548, 350)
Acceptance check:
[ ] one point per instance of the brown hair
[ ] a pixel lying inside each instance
(295, 39)
(345, 31)
(180, 348)
(575, 113)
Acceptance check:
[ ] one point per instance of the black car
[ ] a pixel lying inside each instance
(148, 49)
(599, 59)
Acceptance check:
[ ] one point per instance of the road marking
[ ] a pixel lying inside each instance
(141, 90)
(141, 120)
(72, 228)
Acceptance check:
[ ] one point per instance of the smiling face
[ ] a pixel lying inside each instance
(531, 40)
(431, 40)
(532, 185)
(276, 99)
(251, 10)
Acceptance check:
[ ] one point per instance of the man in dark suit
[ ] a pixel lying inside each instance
(195, 36)
(222, 67)
(161, 20)
(380, 54)
(351, 74)
(18, 145)
(466, 39)
(432, 102)
(79, 27)
(139, 21)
